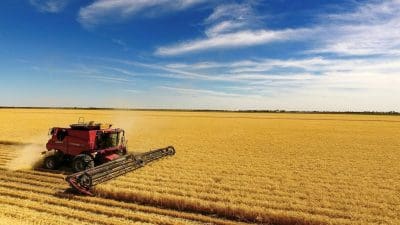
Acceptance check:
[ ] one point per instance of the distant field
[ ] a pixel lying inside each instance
(230, 168)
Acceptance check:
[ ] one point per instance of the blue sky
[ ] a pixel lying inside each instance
(196, 54)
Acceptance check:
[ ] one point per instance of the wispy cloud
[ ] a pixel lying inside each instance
(232, 26)
(49, 6)
(197, 91)
(120, 70)
(231, 12)
(166, 71)
(370, 29)
(106, 11)
(327, 77)
(201, 92)
(120, 43)
(233, 40)
(223, 27)
(88, 72)
(309, 83)
(134, 91)
(107, 78)
(260, 65)
(314, 65)
(227, 18)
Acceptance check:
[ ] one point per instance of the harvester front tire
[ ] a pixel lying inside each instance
(51, 162)
(82, 162)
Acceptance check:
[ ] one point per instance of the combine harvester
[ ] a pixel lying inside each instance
(96, 153)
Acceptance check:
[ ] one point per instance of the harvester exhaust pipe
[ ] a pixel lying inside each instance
(83, 181)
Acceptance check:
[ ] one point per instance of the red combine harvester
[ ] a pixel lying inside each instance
(96, 152)
(84, 146)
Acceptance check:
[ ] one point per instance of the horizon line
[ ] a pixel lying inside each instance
(209, 110)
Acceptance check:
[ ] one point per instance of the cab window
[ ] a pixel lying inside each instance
(107, 140)
(61, 134)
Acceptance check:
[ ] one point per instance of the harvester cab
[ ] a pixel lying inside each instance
(96, 152)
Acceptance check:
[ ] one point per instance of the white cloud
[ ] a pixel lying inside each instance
(199, 65)
(134, 91)
(107, 11)
(231, 12)
(199, 92)
(233, 40)
(51, 6)
(371, 29)
(340, 80)
(230, 18)
(223, 27)
(121, 71)
(310, 64)
(175, 72)
(110, 79)
(372, 12)
(231, 26)
(383, 39)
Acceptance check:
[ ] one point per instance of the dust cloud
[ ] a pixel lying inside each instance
(28, 156)
(123, 120)
(127, 121)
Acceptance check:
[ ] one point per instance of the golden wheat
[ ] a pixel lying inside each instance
(248, 167)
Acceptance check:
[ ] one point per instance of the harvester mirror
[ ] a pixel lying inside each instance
(123, 139)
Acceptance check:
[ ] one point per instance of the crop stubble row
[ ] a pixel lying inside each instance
(281, 168)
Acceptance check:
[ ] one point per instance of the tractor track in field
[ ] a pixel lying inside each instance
(44, 192)
(53, 194)
(53, 184)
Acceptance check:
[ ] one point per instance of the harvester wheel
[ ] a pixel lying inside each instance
(85, 181)
(51, 162)
(82, 162)
(121, 152)
(140, 162)
(171, 150)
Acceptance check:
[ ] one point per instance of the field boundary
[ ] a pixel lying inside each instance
(392, 113)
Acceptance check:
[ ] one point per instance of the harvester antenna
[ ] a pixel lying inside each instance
(81, 120)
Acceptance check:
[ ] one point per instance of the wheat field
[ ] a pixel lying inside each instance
(230, 168)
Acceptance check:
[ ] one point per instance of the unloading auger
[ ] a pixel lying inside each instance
(83, 181)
